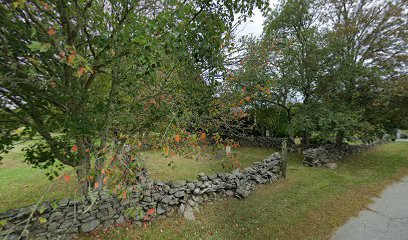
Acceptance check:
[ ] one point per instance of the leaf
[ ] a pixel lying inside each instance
(150, 211)
(34, 45)
(71, 58)
(19, 3)
(54, 205)
(166, 150)
(96, 185)
(51, 31)
(81, 71)
(105, 180)
(177, 138)
(42, 209)
(244, 89)
(42, 220)
(67, 178)
(124, 194)
(248, 98)
(74, 148)
(203, 137)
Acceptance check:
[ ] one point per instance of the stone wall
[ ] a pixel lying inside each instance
(70, 217)
(326, 155)
(260, 141)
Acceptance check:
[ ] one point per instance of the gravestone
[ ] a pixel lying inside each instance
(228, 150)
(398, 134)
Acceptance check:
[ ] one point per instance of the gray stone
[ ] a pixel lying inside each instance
(173, 201)
(229, 193)
(56, 216)
(161, 208)
(53, 227)
(188, 213)
(181, 209)
(202, 177)
(196, 191)
(331, 165)
(167, 199)
(64, 202)
(178, 184)
(89, 226)
(191, 202)
(191, 186)
(179, 194)
(120, 220)
(242, 192)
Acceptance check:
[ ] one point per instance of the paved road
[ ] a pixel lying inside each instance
(385, 219)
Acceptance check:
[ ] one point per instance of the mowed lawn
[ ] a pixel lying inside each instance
(22, 185)
(310, 204)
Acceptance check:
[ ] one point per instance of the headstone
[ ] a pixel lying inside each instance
(228, 150)
(267, 133)
(398, 134)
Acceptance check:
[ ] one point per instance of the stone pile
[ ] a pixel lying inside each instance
(326, 155)
(70, 217)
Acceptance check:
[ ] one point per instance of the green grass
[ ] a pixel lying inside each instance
(22, 185)
(310, 204)
(187, 168)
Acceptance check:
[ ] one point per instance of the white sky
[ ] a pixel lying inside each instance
(253, 25)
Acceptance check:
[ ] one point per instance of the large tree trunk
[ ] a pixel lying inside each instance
(84, 164)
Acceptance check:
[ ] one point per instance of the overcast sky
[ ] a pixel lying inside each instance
(253, 25)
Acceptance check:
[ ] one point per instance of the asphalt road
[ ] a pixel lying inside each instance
(385, 219)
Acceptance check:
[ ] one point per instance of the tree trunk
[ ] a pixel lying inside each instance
(339, 137)
(305, 139)
(84, 164)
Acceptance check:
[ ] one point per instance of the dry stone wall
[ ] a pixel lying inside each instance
(70, 217)
(326, 155)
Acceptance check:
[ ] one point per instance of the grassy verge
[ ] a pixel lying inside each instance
(309, 204)
(22, 185)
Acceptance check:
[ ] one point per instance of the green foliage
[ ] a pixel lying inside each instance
(332, 66)
(102, 71)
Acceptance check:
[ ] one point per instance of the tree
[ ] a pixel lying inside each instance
(94, 70)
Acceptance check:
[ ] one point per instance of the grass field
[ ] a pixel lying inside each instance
(22, 185)
(310, 204)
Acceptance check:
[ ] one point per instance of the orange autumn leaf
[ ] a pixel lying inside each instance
(87, 150)
(177, 138)
(91, 178)
(105, 180)
(96, 185)
(124, 194)
(74, 148)
(166, 150)
(248, 98)
(103, 171)
(150, 211)
(244, 89)
(71, 57)
(80, 71)
(203, 136)
(241, 102)
(51, 31)
(67, 178)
